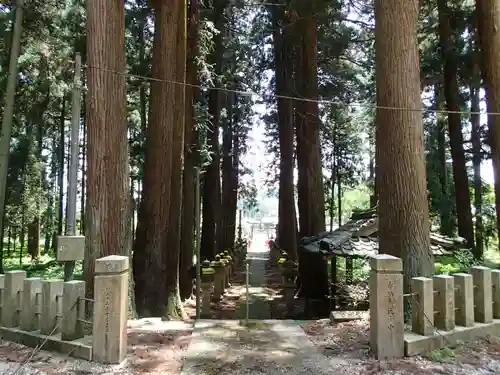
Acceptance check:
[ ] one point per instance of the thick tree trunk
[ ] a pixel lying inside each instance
(156, 250)
(452, 95)
(488, 19)
(311, 199)
(287, 227)
(211, 233)
(403, 211)
(190, 154)
(108, 192)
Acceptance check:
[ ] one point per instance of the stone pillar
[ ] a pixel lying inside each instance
(464, 299)
(73, 310)
(207, 277)
(422, 306)
(444, 302)
(495, 281)
(2, 286)
(218, 279)
(52, 291)
(11, 303)
(109, 331)
(386, 307)
(32, 296)
(483, 301)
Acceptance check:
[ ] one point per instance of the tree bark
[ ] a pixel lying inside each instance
(287, 229)
(488, 19)
(401, 174)
(311, 197)
(211, 225)
(108, 193)
(190, 154)
(156, 255)
(452, 95)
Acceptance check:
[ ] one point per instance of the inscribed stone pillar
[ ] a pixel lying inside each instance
(483, 303)
(109, 336)
(32, 296)
(52, 291)
(11, 304)
(386, 307)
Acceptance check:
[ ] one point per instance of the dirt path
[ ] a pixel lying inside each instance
(265, 347)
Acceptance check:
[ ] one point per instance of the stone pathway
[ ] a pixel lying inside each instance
(264, 347)
(257, 256)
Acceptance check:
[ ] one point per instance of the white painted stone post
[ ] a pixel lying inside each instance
(11, 304)
(386, 307)
(109, 334)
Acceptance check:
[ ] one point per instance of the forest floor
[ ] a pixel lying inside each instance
(159, 347)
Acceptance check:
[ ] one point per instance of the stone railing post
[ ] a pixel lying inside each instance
(386, 307)
(109, 333)
(11, 299)
(483, 299)
(464, 299)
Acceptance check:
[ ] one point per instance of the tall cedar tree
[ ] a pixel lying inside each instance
(287, 223)
(311, 197)
(190, 153)
(403, 211)
(452, 95)
(156, 255)
(211, 226)
(107, 181)
(488, 19)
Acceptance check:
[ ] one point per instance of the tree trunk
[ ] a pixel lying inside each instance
(211, 225)
(488, 19)
(311, 199)
(190, 155)
(401, 174)
(107, 214)
(287, 227)
(452, 95)
(156, 255)
(447, 223)
(477, 158)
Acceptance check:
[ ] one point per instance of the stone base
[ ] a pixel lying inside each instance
(417, 344)
(346, 316)
(81, 348)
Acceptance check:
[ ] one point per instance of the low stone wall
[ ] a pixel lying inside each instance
(51, 313)
(446, 309)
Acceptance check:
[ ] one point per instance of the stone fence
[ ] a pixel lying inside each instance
(51, 313)
(446, 309)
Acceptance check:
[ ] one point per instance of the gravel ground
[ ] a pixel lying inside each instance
(154, 347)
(346, 345)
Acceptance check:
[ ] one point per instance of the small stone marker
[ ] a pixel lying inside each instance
(109, 340)
(483, 302)
(32, 296)
(495, 280)
(73, 310)
(464, 299)
(70, 248)
(386, 307)
(444, 302)
(11, 299)
(422, 306)
(52, 291)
